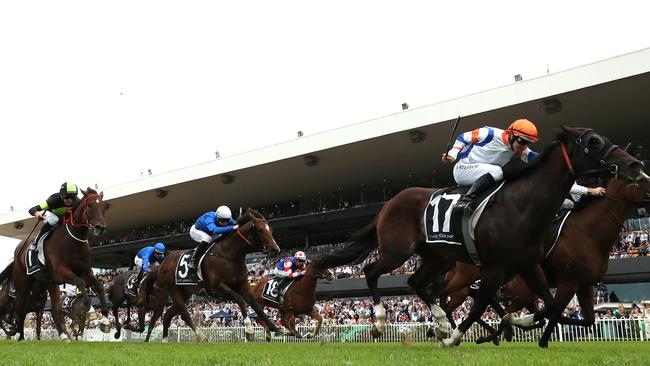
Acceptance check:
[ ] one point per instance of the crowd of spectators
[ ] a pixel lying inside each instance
(631, 244)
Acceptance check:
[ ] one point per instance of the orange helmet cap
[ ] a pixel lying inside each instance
(523, 128)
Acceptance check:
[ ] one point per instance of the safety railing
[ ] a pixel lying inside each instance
(602, 330)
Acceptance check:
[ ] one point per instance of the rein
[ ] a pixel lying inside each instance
(69, 218)
(598, 154)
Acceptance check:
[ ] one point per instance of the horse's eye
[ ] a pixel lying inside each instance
(596, 142)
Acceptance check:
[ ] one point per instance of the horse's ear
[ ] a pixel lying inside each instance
(101, 195)
(84, 192)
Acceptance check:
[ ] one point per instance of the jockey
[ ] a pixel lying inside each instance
(209, 227)
(483, 152)
(291, 267)
(147, 256)
(54, 206)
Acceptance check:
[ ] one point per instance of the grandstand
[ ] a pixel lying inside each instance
(317, 189)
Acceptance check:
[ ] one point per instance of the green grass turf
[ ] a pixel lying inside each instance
(123, 354)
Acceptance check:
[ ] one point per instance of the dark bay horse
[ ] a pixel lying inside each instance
(121, 299)
(77, 312)
(298, 300)
(8, 313)
(580, 257)
(509, 235)
(67, 260)
(224, 275)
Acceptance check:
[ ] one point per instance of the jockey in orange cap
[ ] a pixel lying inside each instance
(483, 152)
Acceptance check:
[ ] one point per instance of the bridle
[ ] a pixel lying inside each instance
(599, 153)
(69, 217)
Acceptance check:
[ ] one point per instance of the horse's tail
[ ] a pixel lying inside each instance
(6, 273)
(361, 244)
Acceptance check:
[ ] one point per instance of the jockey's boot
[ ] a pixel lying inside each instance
(481, 184)
(200, 250)
(138, 278)
(45, 228)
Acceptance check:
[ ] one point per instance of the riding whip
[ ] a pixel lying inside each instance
(451, 138)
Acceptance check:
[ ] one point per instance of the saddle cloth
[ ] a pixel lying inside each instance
(183, 274)
(444, 225)
(35, 258)
(275, 289)
(131, 286)
(67, 303)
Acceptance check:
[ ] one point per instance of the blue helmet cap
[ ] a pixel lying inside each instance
(159, 248)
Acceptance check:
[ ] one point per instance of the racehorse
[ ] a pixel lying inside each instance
(77, 313)
(298, 300)
(224, 274)
(121, 299)
(67, 260)
(579, 258)
(8, 313)
(508, 235)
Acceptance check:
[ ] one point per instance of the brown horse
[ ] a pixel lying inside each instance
(509, 234)
(224, 275)
(298, 300)
(8, 313)
(121, 299)
(77, 313)
(580, 257)
(67, 260)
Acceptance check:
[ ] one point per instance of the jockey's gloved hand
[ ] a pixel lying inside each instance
(235, 227)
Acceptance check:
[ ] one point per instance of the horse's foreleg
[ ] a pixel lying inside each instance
(319, 321)
(537, 281)
(116, 315)
(586, 301)
(563, 296)
(289, 321)
(99, 289)
(157, 313)
(259, 310)
(171, 312)
(241, 302)
(57, 314)
(491, 282)
(39, 322)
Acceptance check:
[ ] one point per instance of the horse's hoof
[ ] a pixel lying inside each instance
(165, 340)
(268, 338)
(448, 343)
(543, 343)
(117, 335)
(375, 332)
(481, 340)
(278, 332)
(250, 336)
(441, 333)
(496, 341)
(508, 334)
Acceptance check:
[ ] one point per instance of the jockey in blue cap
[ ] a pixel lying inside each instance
(147, 256)
(209, 227)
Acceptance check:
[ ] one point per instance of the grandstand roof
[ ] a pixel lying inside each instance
(609, 96)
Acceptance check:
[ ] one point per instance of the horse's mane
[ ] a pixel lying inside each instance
(539, 160)
(243, 219)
